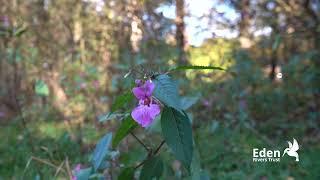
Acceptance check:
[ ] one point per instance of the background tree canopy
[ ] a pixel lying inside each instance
(67, 68)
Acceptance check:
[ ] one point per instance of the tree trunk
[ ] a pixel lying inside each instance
(180, 32)
(244, 24)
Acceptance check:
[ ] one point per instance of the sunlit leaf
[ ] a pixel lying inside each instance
(127, 125)
(101, 150)
(177, 132)
(41, 88)
(152, 168)
(18, 32)
(196, 68)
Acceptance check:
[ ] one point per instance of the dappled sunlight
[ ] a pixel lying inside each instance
(217, 52)
(140, 89)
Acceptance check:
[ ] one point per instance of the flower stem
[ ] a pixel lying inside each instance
(159, 147)
(148, 149)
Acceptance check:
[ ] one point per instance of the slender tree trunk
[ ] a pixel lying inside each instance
(180, 32)
(244, 24)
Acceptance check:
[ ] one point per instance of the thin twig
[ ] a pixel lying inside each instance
(148, 149)
(59, 168)
(68, 168)
(151, 154)
(139, 165)
(159, 147)
(42, 161)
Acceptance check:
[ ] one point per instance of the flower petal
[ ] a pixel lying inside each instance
(144, 91)
(139, 92)
(149, 87)
(144, 115)
(154, 110)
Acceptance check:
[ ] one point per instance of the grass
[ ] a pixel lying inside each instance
(225, 151)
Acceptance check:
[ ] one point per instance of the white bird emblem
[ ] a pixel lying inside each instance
(292, 150)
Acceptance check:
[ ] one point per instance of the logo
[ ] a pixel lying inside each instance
(292, 150)
(264, 155)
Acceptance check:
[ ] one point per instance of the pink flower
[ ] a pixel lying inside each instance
(147, 109)
(143, 91)
(75, 171)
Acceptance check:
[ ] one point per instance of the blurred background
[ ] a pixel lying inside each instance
(63, 63)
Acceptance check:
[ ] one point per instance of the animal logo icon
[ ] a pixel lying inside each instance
(292, 150)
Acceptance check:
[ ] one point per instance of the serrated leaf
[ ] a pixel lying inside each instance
(126, 174)
(152, 168)
(101, 150)
(83, 174)
(166, 91)
(127, 125)
(177, 132)
(196, 68)
(41, 88)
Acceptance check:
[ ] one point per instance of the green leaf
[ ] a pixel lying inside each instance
(177, 132)
(196, 68)
(195, 166)
(126, 174)
(41, 88)
(118, 103)
(153, 167)
(127, 125)
(18, 32)
(166, 91)
(110, 116)
(276, 43)
(101, 150)
(121, 100)
(83, 174)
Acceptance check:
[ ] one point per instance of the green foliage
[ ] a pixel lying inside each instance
(187, 102)
(101, 150)
(83, 174)
(126, 173)
(19, 31)
(110, 116)
(121, 100)
(212, 53)
(41, 88)
(152, 168)
(177, 132)
(277, 42)
(127, 125)
(197, 68)
(166, 91)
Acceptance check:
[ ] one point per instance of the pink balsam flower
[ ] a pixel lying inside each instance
(75, 171)
(147, 109)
